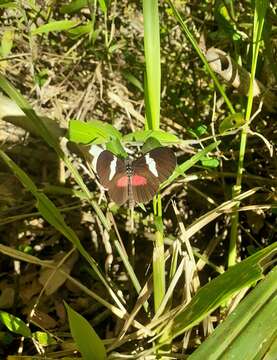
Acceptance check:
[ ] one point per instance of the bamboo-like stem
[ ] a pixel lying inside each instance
(152, 95)
(259, 16)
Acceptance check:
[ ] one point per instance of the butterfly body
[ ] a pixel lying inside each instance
(138, 180)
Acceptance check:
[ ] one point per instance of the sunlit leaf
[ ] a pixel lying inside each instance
(96, 132)
(43, 338)
(53, 26)
(73, 6)
(250, 323)
(6, 42)
(218, 291)
(14, 324)
(231, 122)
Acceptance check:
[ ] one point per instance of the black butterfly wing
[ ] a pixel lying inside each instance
(144, 185)
(111, 171)
(165, 160)
(149, 171)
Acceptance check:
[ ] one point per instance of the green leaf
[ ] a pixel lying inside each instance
(138, 136)
(209, 162)
(133, 80)
(14, 324)
(116, 148)
(73, 6)
(87, 341)
(5, 4)
(142, 135)
(231, 122)
(96, 132)
(151, 143)
(43, 338)
(153, 62)
(80, 30)
(103, 5)
(7, 43)
(198, 131)
(52, 26)
(165, 137)
(218, 291)
(250, 323)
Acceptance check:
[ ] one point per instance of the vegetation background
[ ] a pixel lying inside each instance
(76, 277)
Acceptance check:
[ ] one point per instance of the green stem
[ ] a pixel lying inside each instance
(259, 16)
(152, 103)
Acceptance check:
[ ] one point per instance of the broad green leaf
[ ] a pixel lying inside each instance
(73, 6)
(14, 324)
(7, 42)
(252, 322)
(43, 338)
(210, 162)
(231, 122)
(142, 135)
(139, 136)
(165, 137)
(80, 30)
(95, 131)
(150, 143)
(52, 26)
(88, 342)
(218, 291)
(116, 148)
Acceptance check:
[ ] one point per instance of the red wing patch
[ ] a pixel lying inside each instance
(122, 182)
(137, 180)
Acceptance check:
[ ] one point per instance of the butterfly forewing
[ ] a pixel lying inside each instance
(155, 166)
(112, 175)
(165, 161)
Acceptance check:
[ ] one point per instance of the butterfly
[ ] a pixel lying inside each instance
(135, 180)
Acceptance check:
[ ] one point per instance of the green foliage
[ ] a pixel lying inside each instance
(54, 26)
(87, 341)
(141, 136)
(43, 338)
(14, 324)
(93, 132)
(219, 290)
(84, 59)
(232, 338)
(6, 43)
(231, 122)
